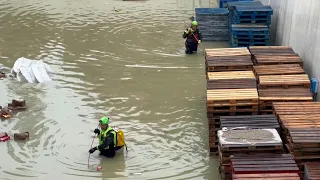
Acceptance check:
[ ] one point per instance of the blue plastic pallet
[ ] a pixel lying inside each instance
(244, 16)
(247, 45)
(243, 41)
(242, 10)
(222, 3)
(250, 36)
(231, 5)
(211, 11)
(249, 21)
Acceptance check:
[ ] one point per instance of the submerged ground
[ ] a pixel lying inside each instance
(128, 64)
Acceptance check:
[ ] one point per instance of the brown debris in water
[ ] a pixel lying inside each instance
(5, 113)
(17, 105)
(2, 75)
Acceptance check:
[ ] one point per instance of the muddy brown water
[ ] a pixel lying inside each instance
(129, 65)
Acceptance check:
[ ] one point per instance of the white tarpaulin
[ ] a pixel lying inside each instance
(33, 71)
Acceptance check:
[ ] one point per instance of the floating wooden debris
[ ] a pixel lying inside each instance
(284, 81)
(17, 105)
(5, 113)
(253, 121)
(262, 163)
(2, 75)
(296, 108)
(312, 171)
(267, 176)
(268, 96)
(228, 59)
(279, 69)
(232, 101)
(231, 80)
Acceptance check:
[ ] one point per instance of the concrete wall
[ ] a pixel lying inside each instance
(296, 23)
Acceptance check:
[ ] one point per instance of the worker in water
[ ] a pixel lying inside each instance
(193, 36)
(107, 139)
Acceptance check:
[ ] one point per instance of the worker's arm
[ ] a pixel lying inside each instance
(185, 33)
(107, 141)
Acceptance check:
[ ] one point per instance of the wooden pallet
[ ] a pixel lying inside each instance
(277, 59)
(229, 64)
(253, 121)
(296, 108)
(284, 81)
(266, 176)
(232, 97)
(225, 52)
(267, 50)
(231, 80)
(232, 84)
(216, 115)
(231, 75)
(249, 140)
(268, 96)
(279, 69)
(312, 171)
(300, 121)
(228, 59)
(263, 163)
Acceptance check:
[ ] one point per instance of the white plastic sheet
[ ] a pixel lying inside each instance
(32, 71)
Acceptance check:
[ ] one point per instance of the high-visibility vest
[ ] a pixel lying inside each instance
(104, 134)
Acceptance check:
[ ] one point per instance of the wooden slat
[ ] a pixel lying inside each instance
(259, 163)
(279, 69)
(296, 108)
(300, 121)
(284, 80)
(231, 75)
(232, 84)
(267, 176)
(231, 96)
(255, 121)
(291, 94)
(312, 171)
(219, 52)
(278, 59)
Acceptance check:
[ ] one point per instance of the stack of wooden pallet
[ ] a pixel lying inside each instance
(280, 75)
(246, 141)
(228, 59)
(312, 171)
(229, 92)
(300, 123)
(264, 167)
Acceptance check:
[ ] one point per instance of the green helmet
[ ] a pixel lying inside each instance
(194, 23)
(104, 120)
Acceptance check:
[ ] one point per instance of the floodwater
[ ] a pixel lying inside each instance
(120, 59)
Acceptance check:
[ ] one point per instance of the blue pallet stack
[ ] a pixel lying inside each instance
(213, 23)
(223, 3)
(249, 24)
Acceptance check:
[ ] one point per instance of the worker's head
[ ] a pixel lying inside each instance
(194, 25)
(104, 121)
